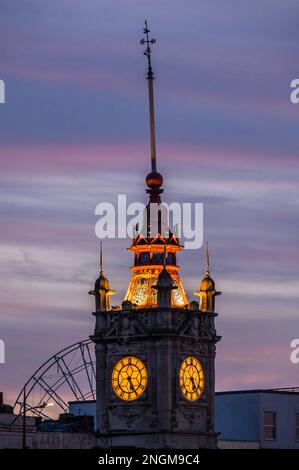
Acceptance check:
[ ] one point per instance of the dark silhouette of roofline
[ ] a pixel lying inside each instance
(285, 390)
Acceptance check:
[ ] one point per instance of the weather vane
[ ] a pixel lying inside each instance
(150, 78)
(147, 51)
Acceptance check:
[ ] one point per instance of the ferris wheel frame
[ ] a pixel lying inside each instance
(66, 376)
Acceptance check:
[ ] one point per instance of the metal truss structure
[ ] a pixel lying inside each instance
(67, 376)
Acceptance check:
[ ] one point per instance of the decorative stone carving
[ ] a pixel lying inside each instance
(126, 414)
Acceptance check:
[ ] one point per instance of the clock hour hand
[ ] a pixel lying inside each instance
(130, 383)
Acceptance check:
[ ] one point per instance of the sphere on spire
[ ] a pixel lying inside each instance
(154, 180)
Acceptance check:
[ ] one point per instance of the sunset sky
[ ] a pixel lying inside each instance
(74, 132)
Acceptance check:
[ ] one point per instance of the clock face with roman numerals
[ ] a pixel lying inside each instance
(129, 378)
(191, 378)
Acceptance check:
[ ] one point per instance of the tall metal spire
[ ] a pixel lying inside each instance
(150, 78)
(207, 261)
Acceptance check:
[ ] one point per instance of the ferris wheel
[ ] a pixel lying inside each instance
(68, 375)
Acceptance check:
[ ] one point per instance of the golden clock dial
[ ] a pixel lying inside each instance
(129, 378)
(191, 378)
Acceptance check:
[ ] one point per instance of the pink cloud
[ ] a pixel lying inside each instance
(83, 157)
(254, 365)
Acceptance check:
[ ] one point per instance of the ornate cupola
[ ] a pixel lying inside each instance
(207, 291)
(102, 289)
(155, 237)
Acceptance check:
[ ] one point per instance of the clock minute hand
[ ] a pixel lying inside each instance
(193, 383)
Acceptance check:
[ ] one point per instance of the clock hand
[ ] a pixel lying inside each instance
(193, 383)
(130, 382)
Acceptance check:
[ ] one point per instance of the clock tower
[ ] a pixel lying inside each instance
(155, 356)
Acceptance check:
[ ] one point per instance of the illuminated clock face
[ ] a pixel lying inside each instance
(129, 378)
(191, 378)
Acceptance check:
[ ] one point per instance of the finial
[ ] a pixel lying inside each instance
(147, 51)
(150, 78)
(207, 261)
(101, 257)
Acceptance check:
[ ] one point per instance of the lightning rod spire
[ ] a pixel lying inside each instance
(101, 257)
(207, 261)
(150, 77)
